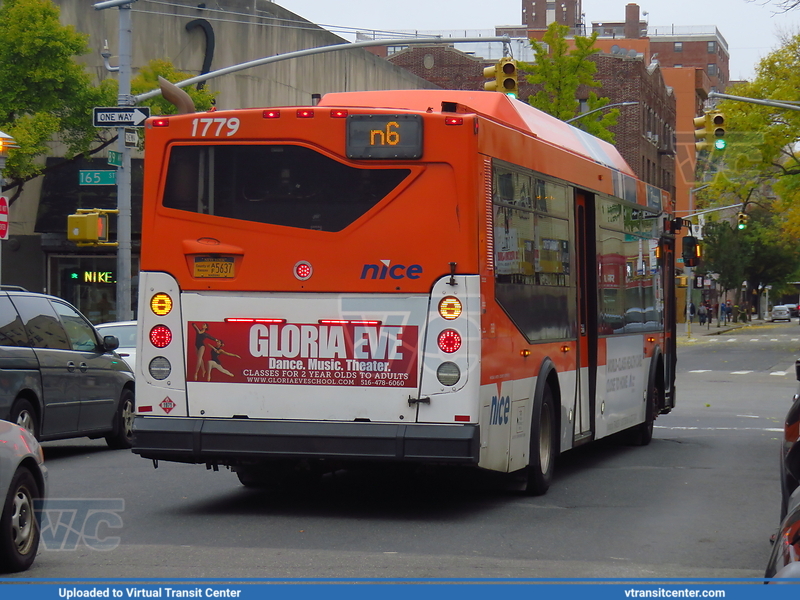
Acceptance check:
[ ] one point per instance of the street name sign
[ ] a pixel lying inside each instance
(115, 158)
(120, 116)
(98, 177)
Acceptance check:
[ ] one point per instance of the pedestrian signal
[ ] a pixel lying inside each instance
(691, 251)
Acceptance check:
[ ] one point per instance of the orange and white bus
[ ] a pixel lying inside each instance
(444, 277)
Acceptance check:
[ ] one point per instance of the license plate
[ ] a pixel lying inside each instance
(213, 266)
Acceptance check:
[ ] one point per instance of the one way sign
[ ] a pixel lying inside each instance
(121, 116)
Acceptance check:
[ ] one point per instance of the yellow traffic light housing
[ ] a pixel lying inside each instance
(504, 77)
(89, 227)
(710, 131)
(741, 220)
(718, 130)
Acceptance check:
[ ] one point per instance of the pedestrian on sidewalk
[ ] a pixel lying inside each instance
(691, 312)
(701, 314)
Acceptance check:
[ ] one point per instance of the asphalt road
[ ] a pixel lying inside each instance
(700, 501)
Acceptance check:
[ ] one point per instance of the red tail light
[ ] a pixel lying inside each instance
(449, 341)
(160, 336)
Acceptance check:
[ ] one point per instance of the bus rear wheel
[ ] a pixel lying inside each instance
(544, 445)
(642, 434)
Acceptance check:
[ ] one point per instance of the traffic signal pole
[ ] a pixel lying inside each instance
(124, 98)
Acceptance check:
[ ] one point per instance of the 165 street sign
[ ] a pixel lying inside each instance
(120, 116)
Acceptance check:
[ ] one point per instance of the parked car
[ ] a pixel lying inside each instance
(23, 478)
(792, 309)
(125, 332)
(780, 313)
(60, 378)
(783, 561)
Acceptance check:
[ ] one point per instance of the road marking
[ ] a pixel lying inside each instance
(794, 340)
(774, 340)
(755, 340)
(740, 372)
(749, 416)
(781, 373)
(770, 429)
(731, 340)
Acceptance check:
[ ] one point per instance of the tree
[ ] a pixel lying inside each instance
(560, 70)
(47, 96)
(760, 169)
(784, 5)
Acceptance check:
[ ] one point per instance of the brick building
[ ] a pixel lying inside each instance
(644, 133)
(538, 14)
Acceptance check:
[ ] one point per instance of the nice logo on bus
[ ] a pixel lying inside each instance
(387, 269)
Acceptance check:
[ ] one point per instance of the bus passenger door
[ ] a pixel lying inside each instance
(585, 237)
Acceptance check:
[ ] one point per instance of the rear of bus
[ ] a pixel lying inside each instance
(309, 288)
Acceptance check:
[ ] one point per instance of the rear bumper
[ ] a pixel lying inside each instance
(233, 441)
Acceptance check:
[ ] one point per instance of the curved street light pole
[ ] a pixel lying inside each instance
(586, 114)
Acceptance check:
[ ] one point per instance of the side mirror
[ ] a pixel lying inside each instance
(110, 342)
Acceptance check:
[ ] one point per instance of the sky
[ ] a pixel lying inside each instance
(752, 29)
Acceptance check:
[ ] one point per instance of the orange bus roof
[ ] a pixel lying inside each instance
(493, 105)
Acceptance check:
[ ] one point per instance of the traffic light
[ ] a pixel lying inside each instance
(718, 129)
(710, 131)
(503, 77)
(741, 220)
(87, 227)
(690, 251)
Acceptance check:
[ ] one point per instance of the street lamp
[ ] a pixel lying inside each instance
(6, 143)
(580, 116)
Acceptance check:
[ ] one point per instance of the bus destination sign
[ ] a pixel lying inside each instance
(384, 137)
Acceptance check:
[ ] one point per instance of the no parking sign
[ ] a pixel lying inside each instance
(3, 218)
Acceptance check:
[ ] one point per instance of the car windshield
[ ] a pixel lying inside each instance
(126, 334)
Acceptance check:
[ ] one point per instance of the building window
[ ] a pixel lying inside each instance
(677, 66)
(712, 70)
(712, 47)
(678, 47)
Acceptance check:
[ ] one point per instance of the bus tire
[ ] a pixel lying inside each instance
(544, 445)
(642, 434)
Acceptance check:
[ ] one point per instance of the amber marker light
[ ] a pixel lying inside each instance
(161, 304)
(450, 308)
(565, 348)
(525, 353)
(651, 339)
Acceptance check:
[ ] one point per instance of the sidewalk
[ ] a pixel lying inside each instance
(699, 331)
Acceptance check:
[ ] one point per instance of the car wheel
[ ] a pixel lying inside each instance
(544, 445)
(24, 415)
(123, 430)
(19, 529)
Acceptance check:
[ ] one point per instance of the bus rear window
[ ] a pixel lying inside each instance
(284, 185)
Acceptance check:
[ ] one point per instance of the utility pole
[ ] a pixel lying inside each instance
(124, 99)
